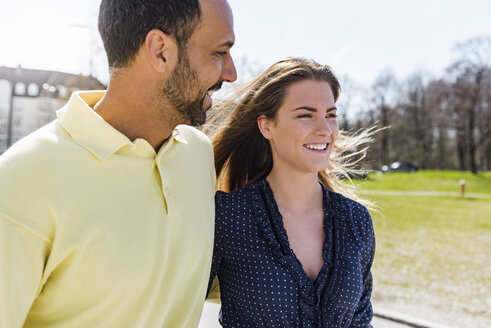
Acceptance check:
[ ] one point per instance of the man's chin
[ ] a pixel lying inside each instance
(197, 119)
(205, 108)
(206, 103)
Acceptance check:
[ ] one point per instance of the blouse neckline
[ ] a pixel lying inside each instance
(270, 220)
(277, 217)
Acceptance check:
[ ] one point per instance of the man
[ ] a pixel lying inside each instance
(106, 214)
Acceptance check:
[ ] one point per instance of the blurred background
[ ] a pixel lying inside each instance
(420, 68)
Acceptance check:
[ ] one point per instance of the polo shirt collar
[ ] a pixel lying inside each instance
(90, 130)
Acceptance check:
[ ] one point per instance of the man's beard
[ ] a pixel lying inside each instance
(177, 89)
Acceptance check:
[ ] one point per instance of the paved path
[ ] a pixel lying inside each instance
(209, 319)
(382, 323)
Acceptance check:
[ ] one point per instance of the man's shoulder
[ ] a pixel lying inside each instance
(193, 135)
(41, 146)
(31, 172)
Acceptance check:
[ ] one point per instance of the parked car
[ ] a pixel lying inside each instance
(399, 167)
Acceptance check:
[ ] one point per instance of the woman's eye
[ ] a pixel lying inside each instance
(304, 115)
(332, 115)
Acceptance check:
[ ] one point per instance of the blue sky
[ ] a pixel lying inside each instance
(358, 38)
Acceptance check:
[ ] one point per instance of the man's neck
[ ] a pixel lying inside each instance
(132, 110)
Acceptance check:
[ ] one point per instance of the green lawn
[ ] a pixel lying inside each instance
(433, 251)
(446, 181)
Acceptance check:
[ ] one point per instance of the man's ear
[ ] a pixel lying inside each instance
(265, 124)
(161, 50)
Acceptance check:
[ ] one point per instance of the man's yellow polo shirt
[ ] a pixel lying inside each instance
(100, 231)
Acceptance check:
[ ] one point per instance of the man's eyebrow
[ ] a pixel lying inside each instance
(312, 109)
(228, 44)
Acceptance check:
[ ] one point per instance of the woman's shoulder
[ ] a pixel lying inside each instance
(236, 196)
(239, 195)
(240, 202)
(353, 207)
(352, 212)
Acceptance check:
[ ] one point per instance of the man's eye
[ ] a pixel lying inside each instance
(332, 115)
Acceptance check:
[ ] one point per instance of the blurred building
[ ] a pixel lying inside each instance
(29, 99)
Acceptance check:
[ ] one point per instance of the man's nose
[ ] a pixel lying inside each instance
(229, 73)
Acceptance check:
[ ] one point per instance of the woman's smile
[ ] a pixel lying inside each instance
(320, 148)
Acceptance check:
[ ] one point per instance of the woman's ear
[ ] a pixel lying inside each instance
(264, 124)
(161, 50)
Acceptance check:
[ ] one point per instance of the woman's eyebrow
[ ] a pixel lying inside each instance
(312, 109)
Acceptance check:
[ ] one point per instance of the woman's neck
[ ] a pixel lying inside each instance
(295, 191)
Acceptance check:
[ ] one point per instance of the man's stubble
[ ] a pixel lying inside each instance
(184, 94)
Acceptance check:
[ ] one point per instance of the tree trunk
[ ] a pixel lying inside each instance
(441, 150)
(461, 145)
(385, 135)
(471, 140)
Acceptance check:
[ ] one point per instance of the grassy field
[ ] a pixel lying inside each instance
(433, 255)
(444, 181)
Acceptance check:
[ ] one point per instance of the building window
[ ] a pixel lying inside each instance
(3, 144)
(16, 136)
(5, 90)
(32, 89)
(62, 91)
(20, 88)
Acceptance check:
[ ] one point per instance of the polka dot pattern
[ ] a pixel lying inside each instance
(263, 284)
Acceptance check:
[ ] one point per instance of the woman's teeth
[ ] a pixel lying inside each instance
(317, 146)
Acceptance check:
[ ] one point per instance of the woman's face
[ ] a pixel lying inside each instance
(303, 133)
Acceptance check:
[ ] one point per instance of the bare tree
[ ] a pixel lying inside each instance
(350, 92)
(383, 101)
(437, 100)
(416, 121)
(486, 132)
(469, 75)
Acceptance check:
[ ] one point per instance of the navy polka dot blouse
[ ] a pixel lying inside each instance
(263, 284)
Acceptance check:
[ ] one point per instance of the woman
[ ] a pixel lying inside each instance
(289, 251)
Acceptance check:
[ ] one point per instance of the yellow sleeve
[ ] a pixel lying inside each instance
(22, 258)
(214, 294)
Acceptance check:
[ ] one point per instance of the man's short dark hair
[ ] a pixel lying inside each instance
(124, 25)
